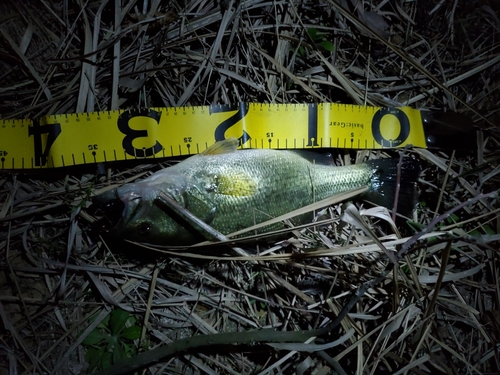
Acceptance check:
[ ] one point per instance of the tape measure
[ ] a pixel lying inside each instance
(83, 138)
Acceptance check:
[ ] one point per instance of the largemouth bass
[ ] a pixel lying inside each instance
(232, 190)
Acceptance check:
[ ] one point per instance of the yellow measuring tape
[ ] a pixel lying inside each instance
(82, 138)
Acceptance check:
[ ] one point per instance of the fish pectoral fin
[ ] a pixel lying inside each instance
(222, 147)
(200, 205)
(239, 184)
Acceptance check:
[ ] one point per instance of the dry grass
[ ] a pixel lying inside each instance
(431, 307)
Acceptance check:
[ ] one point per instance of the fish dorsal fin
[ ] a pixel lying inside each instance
(222, 147)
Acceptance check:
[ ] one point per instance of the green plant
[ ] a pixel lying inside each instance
(112, 340)
(319, 39)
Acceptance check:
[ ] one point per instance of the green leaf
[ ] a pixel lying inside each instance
(131, 333)
(104, 323)
(488, 230)
(417, 227)
(94, 357)
(452, 219)
(117, 320)
(119, 354)
(106, 360)
(95, 337)
(474, 232)
(313, 33)
(130, 350)
(327, 46)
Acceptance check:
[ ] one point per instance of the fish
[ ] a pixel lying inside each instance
(232, 189)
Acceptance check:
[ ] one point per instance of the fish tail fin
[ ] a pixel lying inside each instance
(386, 176)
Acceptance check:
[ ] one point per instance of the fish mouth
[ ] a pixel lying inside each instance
(114, 209)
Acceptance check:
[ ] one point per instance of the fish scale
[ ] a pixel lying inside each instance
(269, 171)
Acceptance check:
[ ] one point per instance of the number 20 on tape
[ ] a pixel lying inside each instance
(72, 139)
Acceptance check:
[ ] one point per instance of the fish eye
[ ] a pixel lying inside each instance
(145, 227)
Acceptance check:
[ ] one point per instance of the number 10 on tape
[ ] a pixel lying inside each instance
(72, 139)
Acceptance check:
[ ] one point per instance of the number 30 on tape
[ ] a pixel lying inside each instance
(71, 139)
